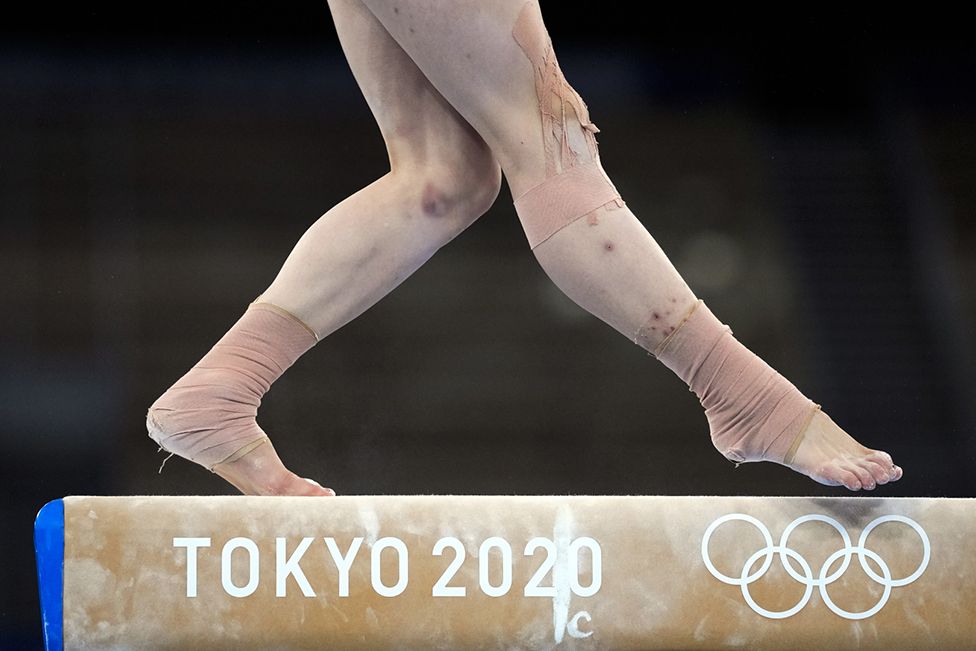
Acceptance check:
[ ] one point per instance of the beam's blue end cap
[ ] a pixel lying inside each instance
(49, 550)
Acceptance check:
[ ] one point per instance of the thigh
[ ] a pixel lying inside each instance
(419, 126)
(469, 51)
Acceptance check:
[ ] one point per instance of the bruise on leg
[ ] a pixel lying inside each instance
(433, 202)
(576, 185)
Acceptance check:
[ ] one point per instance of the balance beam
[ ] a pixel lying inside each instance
(507, 572)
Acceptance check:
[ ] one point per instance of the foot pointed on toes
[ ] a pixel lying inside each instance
(834, 474)
(315, 488)
(881, 471)
(284, 483)
(864, 476)
(261, 472)
(829, 455)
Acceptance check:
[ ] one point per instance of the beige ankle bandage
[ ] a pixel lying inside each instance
(208, 415)
(754, 413)
(576, 185)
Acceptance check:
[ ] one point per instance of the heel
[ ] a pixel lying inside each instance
(205, 456)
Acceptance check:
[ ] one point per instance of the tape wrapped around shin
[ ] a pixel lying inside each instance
(558, 201)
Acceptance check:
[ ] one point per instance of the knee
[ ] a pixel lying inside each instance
(455, 194)
(466, 193)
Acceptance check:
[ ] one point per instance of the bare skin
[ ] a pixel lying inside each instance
(442, 179)
(455, 100)
(830, 456)
(261, 472)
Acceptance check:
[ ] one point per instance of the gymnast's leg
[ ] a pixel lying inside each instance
(442, 178)
(494, 62)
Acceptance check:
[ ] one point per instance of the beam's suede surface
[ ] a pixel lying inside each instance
(126, 583)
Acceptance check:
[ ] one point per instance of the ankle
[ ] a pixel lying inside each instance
(754, 413)
(208, 415)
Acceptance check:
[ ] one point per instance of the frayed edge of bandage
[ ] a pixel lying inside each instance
(554, 95)
(234, 457)
(592, 217)
(794, 446)
(162, 449)
(151, 425)
(575, 185)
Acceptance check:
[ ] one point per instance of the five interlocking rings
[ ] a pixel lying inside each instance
(807, 577)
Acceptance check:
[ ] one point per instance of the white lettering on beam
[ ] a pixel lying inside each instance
(254, 566)
(191, 544)
(376, 567)
(291, 566)
(493, 552)
(344, 563)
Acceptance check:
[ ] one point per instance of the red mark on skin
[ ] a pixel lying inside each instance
(674, 300)
(653, 328)
(656, 315)
(608, 246)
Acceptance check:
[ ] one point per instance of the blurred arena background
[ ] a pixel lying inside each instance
(812, 175)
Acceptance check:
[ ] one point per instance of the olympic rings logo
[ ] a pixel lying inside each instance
(807, 578)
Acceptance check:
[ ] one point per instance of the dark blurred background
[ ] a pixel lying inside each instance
(811, 174)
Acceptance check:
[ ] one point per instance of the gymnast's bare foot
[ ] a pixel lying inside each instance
(828, 455)
(261, 472)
